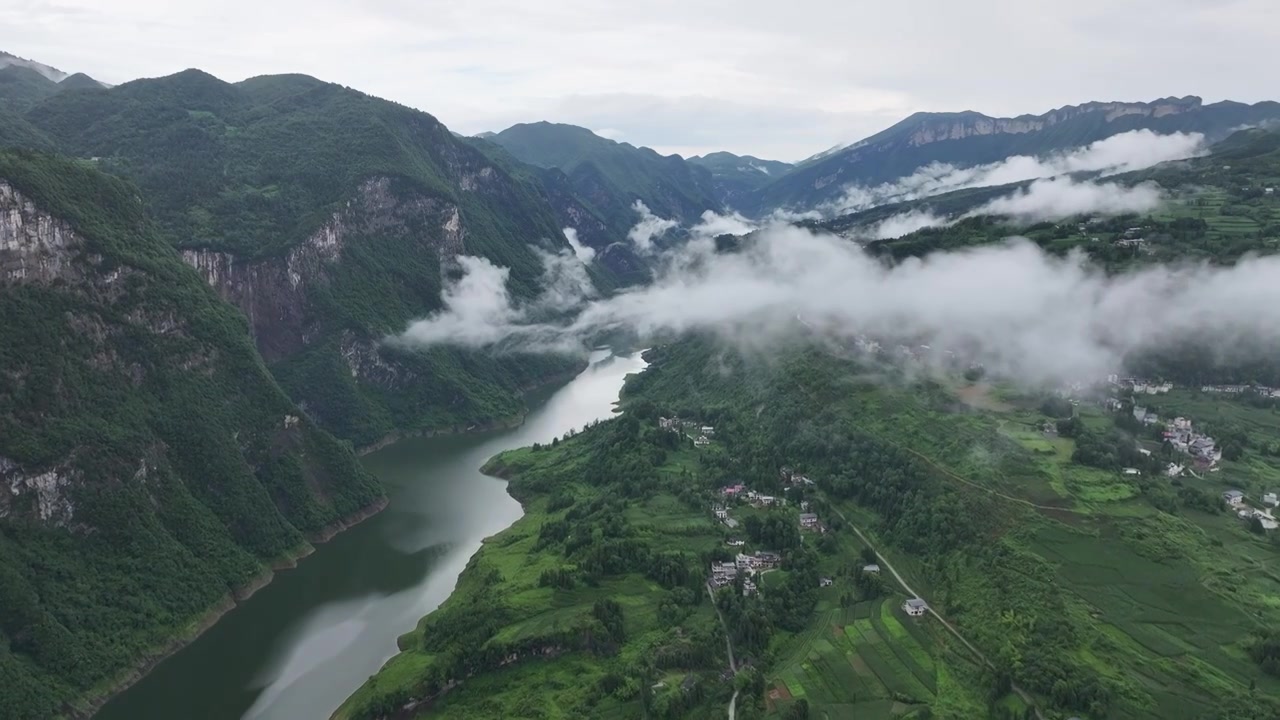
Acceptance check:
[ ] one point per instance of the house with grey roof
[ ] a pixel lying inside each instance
(915, 607)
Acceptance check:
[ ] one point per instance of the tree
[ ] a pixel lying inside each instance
(799, 710)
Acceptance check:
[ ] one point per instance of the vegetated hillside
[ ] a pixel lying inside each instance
(970, 138)
(152, 470)
(329, 218)
(610, 176)
(735, 176)
(1218, 209)
(1096, 593)
(616, 262)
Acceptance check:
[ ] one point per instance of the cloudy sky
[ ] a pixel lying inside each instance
(775, 79)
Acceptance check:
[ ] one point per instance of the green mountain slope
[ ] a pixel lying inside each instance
(970, 138)
(152, 469)
(329, 218)
(609, 176)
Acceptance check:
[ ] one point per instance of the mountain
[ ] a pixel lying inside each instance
(153, 471)
(735, 176)
(330, 218)
(53, 74)
(24, 83)
(971, 138)
(610, 176)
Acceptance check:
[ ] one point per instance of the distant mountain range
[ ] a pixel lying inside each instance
(971, 138)
(681, 188)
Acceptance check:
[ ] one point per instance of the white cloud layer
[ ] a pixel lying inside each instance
(1035, 316)
(584, 253)
(1125, 152)
(649, 228)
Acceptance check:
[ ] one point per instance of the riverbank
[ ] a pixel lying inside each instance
(87, 706)
(536, 627)
(507, 423)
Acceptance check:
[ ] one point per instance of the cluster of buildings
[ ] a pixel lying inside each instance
(702, 434)
(1262, 390)
(1140, 386)
(1236, 499)
(755, 499)
(724, 573)
(1183, 437)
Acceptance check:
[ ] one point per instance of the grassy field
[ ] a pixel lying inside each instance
(865, 661)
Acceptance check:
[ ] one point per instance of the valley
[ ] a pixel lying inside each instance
(304, 413)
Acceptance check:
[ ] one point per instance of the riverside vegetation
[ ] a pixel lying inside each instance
(1100, 594)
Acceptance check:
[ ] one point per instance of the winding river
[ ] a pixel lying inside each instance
(301, 645)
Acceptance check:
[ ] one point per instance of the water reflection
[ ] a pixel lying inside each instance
(299, 647)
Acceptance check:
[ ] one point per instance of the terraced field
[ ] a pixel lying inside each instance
(868, 661)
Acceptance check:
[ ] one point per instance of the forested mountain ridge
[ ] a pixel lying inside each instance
(971, 138)
(153, 471)
(610, 176)
(24, 82)
(329, 217)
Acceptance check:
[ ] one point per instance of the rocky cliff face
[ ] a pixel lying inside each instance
(275, 293)
(149, 465)
(974, 124)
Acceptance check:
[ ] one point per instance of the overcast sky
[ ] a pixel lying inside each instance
(779, 80)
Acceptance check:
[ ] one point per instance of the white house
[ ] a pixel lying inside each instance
(1233, 497)
(915, 607)
(1270, 499)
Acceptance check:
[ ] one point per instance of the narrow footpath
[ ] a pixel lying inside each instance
(728, 644)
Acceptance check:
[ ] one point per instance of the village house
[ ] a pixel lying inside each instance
(733, 490)
(723, 574)
(824, 582)
(1132, 471)
(915, 607)
(701, 441)
(1233, 497)
(720, 512)
(1270, 499)
(1174, 470)
(672, 424)
(872, 568)
(809, 521)
(768, 560)
(748, 587)
(708, 430)
(736, 542)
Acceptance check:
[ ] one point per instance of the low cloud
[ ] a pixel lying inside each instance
(1063, 197)
(902, 224)
(1124, 152)
(1034, 316)
(584, 253)
(480, 312)
(649, 228)
(1043, 200)
(713, 224)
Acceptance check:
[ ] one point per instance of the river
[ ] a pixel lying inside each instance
(304, 643)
